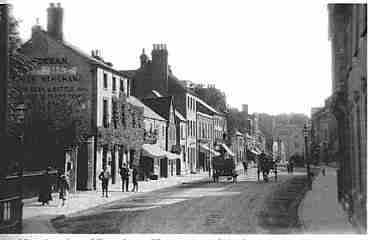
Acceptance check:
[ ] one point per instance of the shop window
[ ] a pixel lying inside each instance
(133, 120)
(131, 159)
(104, 156)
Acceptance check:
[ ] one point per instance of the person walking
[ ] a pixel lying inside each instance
(63, 189)
(245, 165)
(104, 177)
(124, 174)
(45, 188)
(275, 170)
(135, 179)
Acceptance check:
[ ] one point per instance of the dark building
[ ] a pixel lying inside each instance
(348, 36)
(78, 119)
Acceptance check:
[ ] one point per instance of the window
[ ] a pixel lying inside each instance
(115, 117)
(104, 156)
(105, 80)
(122, 85)
(105, 110)
(163, 131)
(5, 209)
(123, 115)
(194, 127)
(113, 84)
(128, 88)
(133, 120)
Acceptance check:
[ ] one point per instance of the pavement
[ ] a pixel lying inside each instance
(37, 218)
(320, 212)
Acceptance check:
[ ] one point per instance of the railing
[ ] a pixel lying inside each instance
(13, 189)
(11, 206)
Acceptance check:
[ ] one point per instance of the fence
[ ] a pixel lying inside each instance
(13, 189)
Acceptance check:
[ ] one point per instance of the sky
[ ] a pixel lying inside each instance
(274, 56)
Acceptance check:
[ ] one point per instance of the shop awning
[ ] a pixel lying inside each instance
(254, 151)
(207, 149)
(153, 151)
(172, 156)
(257, 150)
(227, 149)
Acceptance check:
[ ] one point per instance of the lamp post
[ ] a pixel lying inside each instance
(305, 132)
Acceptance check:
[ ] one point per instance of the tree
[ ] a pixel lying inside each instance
(213, 96)
(236, 121)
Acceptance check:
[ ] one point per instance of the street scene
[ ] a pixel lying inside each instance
(267, 137)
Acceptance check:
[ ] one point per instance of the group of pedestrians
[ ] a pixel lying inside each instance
(124, 174)
(46, 185)
(63, 185)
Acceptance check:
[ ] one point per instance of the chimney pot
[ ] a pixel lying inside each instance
(52, 5)
(58, 5)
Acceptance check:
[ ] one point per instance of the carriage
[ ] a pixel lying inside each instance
(223, 167)
(266, 165)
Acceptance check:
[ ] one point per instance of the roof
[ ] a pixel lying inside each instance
(179, 116)
(147, 112)
(176, 85)
(237, 133)
(208, 106)
(76, 50)
(128, 73)
(160, 105)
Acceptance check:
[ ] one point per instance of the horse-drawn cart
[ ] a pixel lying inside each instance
(223, 168)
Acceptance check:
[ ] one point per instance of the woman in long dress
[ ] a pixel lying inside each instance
(45, 188)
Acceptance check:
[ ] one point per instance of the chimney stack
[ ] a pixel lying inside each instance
(55, 21)
(160, 68)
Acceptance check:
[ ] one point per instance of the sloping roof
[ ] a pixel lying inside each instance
(147, 112)
(179, 116)
(237, 133)
(176, 85)
(128, 73)
(160, 105)
(76, 50)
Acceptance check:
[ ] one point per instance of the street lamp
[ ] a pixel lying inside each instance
(305, 132)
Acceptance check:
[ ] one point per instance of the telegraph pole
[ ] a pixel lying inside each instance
(305, 131)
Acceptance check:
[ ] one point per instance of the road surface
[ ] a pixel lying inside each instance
(246, 207)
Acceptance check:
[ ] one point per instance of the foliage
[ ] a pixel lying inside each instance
(128, 132)
(236, 121)
(213, 96)
(14, 38)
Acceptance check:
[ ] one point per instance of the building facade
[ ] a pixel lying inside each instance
(348, 37)
(77, 103)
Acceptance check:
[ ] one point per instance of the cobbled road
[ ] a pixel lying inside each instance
(247, 207)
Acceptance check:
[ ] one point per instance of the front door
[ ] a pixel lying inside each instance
(163, 167)
(178, 167)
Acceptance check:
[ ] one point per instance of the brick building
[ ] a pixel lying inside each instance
(348, 36)
(77, 104)
(155, 75)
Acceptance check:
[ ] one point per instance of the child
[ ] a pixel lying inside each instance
(63, 189)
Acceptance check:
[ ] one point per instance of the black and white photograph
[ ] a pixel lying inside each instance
(183, 118)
